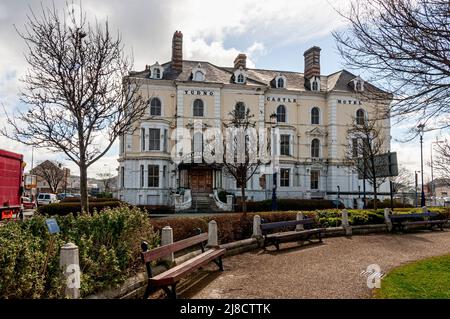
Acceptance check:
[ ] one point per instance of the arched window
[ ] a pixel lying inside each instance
(281, 113)
(315, 148)
(315, 115)
(280, 83)
(239, 110)
(157, 73)
(198, 107)
(240, 78)
(198, 76)
(155, 106)
(360, 117)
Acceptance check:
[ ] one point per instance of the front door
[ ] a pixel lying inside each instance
(201, 181)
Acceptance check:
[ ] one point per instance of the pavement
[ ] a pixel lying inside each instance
(332, 269)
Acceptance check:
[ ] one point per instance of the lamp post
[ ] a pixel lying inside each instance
(421, 131)
(273, 122)
(415, 188)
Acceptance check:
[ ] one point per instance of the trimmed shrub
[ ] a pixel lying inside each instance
(62, 209)
(90, 199)
(157, 209)
(291, 204)
(109, 252)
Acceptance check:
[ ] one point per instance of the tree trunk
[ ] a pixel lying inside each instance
(244, 201)
(83, 188)
(374, 193)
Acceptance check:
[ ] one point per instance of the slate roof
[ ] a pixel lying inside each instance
(338, 81)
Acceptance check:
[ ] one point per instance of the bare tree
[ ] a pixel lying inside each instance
(368, 139)
(403, 184)
(51, 172)
(242, 149)
(405, 46)
(441, 163)
(78, 90)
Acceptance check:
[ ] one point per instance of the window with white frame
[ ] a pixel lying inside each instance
(165, 141)
(281, 114)
(240, 78)
(315, 148)
(315, 115)
(315, 83)
(285, 140)
(284, 177)
(155, 107)
(199, 76)
(153, 176)
(314, 180)
(198, 108)
(154, 139)
(142, 139)
(141, 175)
(280, 83)
(156, 71)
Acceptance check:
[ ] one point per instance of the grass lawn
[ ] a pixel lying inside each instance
(428, 278)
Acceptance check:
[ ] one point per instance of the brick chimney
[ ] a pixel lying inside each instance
(312, 62)
(177, 52)
(241, 60)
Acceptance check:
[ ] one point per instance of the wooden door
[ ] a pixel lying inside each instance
(201, 181)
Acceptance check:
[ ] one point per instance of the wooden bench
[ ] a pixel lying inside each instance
(429, 220)
(172, 276)
(289, 236)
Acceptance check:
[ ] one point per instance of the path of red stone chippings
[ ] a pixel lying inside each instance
(332, 269)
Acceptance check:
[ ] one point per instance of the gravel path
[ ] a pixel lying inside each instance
(329, 270)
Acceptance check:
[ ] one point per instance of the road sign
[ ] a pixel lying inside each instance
(385, 165)
(52, 225)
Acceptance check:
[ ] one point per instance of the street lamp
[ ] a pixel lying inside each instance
(415, 188)
(273, 122)
(421, 131)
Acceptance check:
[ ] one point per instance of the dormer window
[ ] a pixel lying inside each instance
(315, 83)
(280, 81)
(240, 76)
(198, 73)
(156, 71)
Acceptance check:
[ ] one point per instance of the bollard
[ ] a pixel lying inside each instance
(166, 239)
(345, 223)
(299, 226)
(257, 226)
(70, 265)
(213, 240)
(387, 219)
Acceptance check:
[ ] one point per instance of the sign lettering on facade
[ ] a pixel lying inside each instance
(199, 92)
(281, 99)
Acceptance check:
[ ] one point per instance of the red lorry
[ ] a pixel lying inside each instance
(11, 184)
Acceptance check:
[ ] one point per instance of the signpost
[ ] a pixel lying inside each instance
(386, 165)
(53, 228)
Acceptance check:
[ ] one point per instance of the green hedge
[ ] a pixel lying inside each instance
(109, 252)
(157, 209)
(91, 199)
(290, 204)
(62, 209)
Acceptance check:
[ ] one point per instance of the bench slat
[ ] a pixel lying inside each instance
(408, 216)
(176, 246)
(174, 274)
(294, 234)
(275, 225)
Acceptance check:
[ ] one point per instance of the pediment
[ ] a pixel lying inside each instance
(316, 132)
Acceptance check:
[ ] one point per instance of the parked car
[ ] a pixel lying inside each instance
(46, 198)
(64, 195)
(28, 203)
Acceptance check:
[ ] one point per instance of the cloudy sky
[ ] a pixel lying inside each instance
(273, 33)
